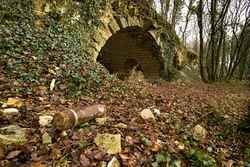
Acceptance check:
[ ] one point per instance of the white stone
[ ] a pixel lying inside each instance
(64, 134)
(114, 163)
(147, 114)
(45, 120)
(210, 149)
(12, 134)
(109, 142)
(179, 145)
(47, 8)
(101, 121)
(103, 164)
(13, 102)
(199, 133)
(157, 112)
(10, 112)
(46, 138)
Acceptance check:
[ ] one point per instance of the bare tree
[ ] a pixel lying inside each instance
(200, 24)
(190, 11)
(165, 4)
(225, 52)
(176, 12)
(240, 39)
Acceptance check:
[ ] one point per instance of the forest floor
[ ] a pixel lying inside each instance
(219, 110)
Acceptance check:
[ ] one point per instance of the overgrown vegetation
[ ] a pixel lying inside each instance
(36, 56)
(42, 62)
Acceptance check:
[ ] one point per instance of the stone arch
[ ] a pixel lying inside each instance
(112, 23)
(132, 43)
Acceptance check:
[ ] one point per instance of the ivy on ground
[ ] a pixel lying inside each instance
(36, 56)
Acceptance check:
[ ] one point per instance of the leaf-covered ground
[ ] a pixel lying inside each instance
(32, 58)
(168, 140)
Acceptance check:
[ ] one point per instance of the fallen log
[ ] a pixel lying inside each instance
(72, 118)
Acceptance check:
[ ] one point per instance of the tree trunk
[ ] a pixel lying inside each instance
(174, 14)
(200, 24)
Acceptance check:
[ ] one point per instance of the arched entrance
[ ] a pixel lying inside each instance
(131, 48)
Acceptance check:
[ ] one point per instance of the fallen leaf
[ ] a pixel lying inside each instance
(156, 147)
(13, 154)
(84, 161)
(230, 163)
(2, 154)
(37, 164)
(124, 156)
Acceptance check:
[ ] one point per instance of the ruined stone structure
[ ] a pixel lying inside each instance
(124, 42)
(131, 47)
(127, 39)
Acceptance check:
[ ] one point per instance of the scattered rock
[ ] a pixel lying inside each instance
(226, 116)
(179, 145)
(45, 120)
(46, 138)
(63, 134)
(110, 143)
(210, 149)
(13, 154)
(12, 134)
(10, 112)
(103, 164)
(114, 163)
(199, 133)
(121, 125)
(157, 112)
(101, 121)
(13, 102)
(147, 114)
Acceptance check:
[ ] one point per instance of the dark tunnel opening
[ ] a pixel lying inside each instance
(131, 49)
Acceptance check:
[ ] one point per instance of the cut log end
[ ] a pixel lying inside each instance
(63, 121)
